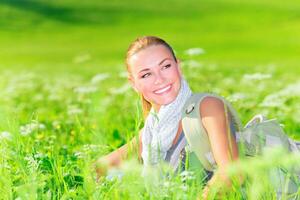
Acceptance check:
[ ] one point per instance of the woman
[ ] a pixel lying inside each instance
(154, 72)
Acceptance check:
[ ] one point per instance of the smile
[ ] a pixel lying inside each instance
(163, 90)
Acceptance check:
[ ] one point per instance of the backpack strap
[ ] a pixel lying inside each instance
(195, 133)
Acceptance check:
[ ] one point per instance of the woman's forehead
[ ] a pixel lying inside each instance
(150, 57)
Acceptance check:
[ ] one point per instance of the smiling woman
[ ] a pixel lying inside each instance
(206, 123)
(154, 72)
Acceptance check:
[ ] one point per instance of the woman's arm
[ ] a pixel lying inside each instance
(223, 144)
(115, 158)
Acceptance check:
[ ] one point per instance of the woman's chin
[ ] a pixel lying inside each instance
(167, 101)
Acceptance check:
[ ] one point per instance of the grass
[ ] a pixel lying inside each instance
(64, 94)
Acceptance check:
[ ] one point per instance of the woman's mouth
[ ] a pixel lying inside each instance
(163, 90)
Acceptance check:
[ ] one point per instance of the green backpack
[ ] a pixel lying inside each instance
(254, 137)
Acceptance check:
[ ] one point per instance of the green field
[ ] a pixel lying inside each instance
(65, 99)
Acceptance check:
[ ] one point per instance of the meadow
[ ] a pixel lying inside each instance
(65, 99)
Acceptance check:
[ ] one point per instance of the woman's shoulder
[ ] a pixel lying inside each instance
(205, 100)
(206, 104)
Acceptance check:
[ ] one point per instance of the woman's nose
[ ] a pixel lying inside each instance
(159, 79)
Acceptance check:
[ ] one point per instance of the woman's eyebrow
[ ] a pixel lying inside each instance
(146, 69)
(163, 61)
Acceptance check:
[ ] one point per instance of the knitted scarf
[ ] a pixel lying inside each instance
(161, 128)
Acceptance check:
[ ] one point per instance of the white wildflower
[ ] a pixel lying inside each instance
(256, 77)
(184, 188)
(187, 175)
(90, 148)
(5, 135)
(279, 98)
(5, 165)
(120, 90)
(192, 64)
(100, 77)
(32, 163)
(79, 155)
(291, 90)
(55, 97)
(236, 97)
(27, 129)
(273, 100)
(39, 155)
(194, 51)
(56, 124)
(85, 89)
(74, 110)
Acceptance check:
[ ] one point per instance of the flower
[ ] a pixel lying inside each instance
(121, 89)
(27, 129)
(279, 98)
(100, 77)
(194, 51)
(5, 135)
(85, 89)
(74, 110)
(192, 64)
(236, 97)
(32, 163)
(56, 124)
(79, 155)
(256, 77)
(187, 175)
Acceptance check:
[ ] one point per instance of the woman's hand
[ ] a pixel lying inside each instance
(220, 184)
(114, 159)
(204, 195)
(101, 166)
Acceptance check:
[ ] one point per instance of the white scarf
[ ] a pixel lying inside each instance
(161, 128)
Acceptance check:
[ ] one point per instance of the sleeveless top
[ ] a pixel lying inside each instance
(177, 156)
(256, 135)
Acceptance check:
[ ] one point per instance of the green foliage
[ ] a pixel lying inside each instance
(65, 100)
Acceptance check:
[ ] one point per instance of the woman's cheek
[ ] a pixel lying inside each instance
(143, 87)
(147, 81)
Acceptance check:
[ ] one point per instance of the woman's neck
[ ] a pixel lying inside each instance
(156, 107)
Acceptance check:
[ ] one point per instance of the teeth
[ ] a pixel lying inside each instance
(162, 90)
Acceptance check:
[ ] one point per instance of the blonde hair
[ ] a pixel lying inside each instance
(138, 45)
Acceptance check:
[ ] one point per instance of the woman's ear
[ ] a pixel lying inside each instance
(131, 82)
(179, 66)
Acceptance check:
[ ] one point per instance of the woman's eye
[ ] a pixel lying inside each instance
(167, 66)
(145, 75)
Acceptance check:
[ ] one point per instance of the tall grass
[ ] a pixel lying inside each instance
(65, 100)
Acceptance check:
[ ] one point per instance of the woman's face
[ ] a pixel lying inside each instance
(156, 75)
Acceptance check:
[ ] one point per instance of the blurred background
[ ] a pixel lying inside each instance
(53, 35)
(63, 58)
(65, 100)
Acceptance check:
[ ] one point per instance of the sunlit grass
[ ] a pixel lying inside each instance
(65, 99)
